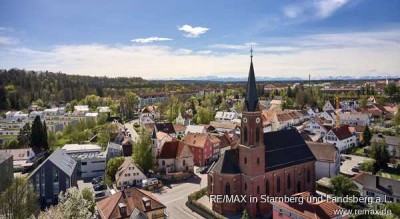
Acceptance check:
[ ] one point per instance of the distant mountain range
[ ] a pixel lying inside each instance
(241, 79)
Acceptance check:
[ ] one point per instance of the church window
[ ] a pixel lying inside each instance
(258, 189)
(258, 135)
(245, 135)
(267, 187)
(278, 185)
(258, 161)
(289, 183)
(227, 189)
(163, 163)
(245, 160)
(245, 186)
(308, 176)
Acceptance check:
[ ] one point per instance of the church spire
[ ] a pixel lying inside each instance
(251, 100)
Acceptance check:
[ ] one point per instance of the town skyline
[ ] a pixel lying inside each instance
(132, 39)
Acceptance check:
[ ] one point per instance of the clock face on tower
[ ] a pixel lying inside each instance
(258, 120)
(245, 120)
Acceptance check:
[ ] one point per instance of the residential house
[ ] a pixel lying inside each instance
(113, 150)
(150, 112)
(221, 127)
(276, 104)
(312, 112)
(358, 132)
(179, 130)
(6, 170)
(24, 160)
(378, 187)
(131, 203)
(174, 156)
(200, 129)
(223, 116)
(329, 105)
(307, 209)
(81, 109)
(354, 119)
(315, 126)
(165, 127)
(129, 174)
(56, 174)
(91, 162)
(328, 159)
(341, 137)
(329, 115)
(392, 143)
(349, 105)
(158, 139)
(202, 148)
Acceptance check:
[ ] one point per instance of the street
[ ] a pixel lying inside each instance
(174, 196)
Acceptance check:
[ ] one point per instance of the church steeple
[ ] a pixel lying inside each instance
(251, 99)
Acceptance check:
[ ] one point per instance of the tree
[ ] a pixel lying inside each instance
(72, 204)
(24, 136)
(289, 92)
(391, 89)
(363, 102)
(45, 144)
(367, 165)
(396, 119)
(203, 116)
(112, 166)
(367, 135)
(37, 135)
(142, 150)
(19, 200)
(341, 185)
(244, 214)
(11, 144)
(380, 154)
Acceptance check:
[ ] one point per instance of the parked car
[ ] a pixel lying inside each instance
(97, 180)
(99, 194)
(99, 187)
(203, 170)
(355, 169)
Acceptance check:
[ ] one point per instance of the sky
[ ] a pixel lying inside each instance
(192, 38)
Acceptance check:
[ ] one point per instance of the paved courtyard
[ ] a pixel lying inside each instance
(352, 161)
(174, 196)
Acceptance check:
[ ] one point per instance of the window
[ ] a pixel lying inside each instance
(84, 163)
(184, 162)
(163, 163)
(245, 135)
(245, 160)
(258, 135)
(308, 176)
(227, 189)
(267, 187)
(245, 186)
(258, 189)
(258, 161)
(278, 185)
(289, 183)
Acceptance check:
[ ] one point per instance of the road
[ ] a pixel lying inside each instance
(175, 196)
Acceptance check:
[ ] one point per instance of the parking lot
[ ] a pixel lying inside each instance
(350, 162)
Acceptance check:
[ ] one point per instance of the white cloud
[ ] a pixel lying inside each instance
(7, 40)
(193, 32)
(339, 54)
(319, 9)
(150, 39)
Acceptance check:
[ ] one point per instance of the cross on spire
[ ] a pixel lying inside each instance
(251, 52)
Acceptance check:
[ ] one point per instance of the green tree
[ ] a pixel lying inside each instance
(244, 214)
(367, 165)
(112, 166)
(380, 154)
(37, 135)
(367, 135)
(204, 115)
(19, 200)
(39, 102)
(142, 150)
(396, 119)
(363, 102)
(391, 89)
(341, 185)
(395, 208)
(24, 135)
(45, 144)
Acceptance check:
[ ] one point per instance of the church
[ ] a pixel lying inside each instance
(274, 164)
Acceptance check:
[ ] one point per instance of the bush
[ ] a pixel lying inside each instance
(196, 195)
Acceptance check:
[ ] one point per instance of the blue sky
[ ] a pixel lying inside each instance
(161, 39)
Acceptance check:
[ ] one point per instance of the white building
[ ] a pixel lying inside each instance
(354, 119)
(129, 174)
(328, 159)
(199, 129)
(341, 137)
(175, 156)
(91, 161)
(329, 105)
(378, 187)
(222, 116)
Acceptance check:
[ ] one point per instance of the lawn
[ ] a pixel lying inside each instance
(390, 175)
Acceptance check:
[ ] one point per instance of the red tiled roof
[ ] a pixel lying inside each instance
(342, 132)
